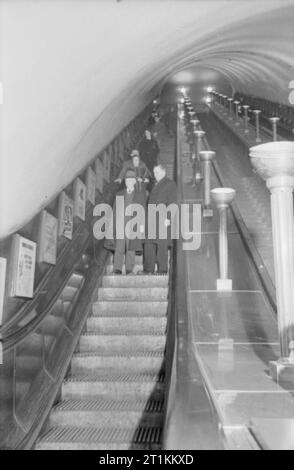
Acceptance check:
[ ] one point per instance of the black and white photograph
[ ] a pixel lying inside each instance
(146, 230)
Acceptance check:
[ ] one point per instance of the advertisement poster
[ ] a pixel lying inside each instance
(106, 164)
(2, 286)
(65, 216)
(23, 267)
(99, 170)
(47, 240)
(80, 199)
(91, 185)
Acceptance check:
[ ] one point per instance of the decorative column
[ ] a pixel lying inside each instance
(257, 113)
(246, 107)
(194, 123)
(222, 198)
(274, 161)
(236, 103)
(230, 100)
(206, 156)
(199, 135)
(225, 104)
(274, 121)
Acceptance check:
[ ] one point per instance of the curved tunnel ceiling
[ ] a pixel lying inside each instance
(74, 73)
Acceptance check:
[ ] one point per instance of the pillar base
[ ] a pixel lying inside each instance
(207, 213)
(224, 285)
(282, 371)
(225, 344)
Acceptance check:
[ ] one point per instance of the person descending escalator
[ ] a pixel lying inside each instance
(143, 175)
(149, 150)
(126, 246)
(156, 246)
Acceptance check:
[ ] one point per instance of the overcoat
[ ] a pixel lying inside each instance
(149, 150)
(135, 244)
(164, 192)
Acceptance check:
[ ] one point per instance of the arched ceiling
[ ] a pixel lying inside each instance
(74, 73)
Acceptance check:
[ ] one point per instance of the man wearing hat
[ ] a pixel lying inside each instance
(142, 173)
(127, 246)
(149, 150)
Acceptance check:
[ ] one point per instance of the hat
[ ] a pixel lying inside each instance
(135, 153)
(130, 174)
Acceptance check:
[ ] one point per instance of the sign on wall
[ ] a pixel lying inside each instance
(106, 164)
(65, 216)
(91, 185)
(47, 239)
(121, 148)
(23, 259)
(99, 170)
(3, 263)
(79, 191)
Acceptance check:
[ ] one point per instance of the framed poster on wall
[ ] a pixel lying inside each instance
(65, 216)
(91, 185)
(99, 170)
(3, 263)
(121, 148)
(47, 239)
(79, 191)
(106, 164)
(23, 260)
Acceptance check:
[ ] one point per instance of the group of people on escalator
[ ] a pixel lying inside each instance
(145, 183)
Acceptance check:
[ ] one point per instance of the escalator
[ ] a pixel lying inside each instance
(113, 397)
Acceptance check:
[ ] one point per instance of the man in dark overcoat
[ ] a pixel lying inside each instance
(149, 150)
(156, 248)
(127, 246)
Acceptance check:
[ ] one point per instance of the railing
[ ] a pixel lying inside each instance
(182, 429)
(39, 335)
(271, 109)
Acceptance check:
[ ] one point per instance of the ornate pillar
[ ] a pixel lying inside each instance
(231, 115)
(246, 107)
(274, 161)
(222, 198)
(274, 121)
(257, 113)
(206, 156)
(236, 103)
(199, 135)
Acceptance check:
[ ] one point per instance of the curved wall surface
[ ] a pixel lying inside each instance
(74, 73)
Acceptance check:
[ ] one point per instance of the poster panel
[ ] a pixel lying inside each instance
(99, 170)
(106, 164)
(79, 199)
(23, 260)
(65, 216)
(47, 239)
(91, 185)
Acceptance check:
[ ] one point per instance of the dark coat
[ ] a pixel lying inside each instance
(164, 192)
(137, 243)
(149, 150)
(141, 172)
